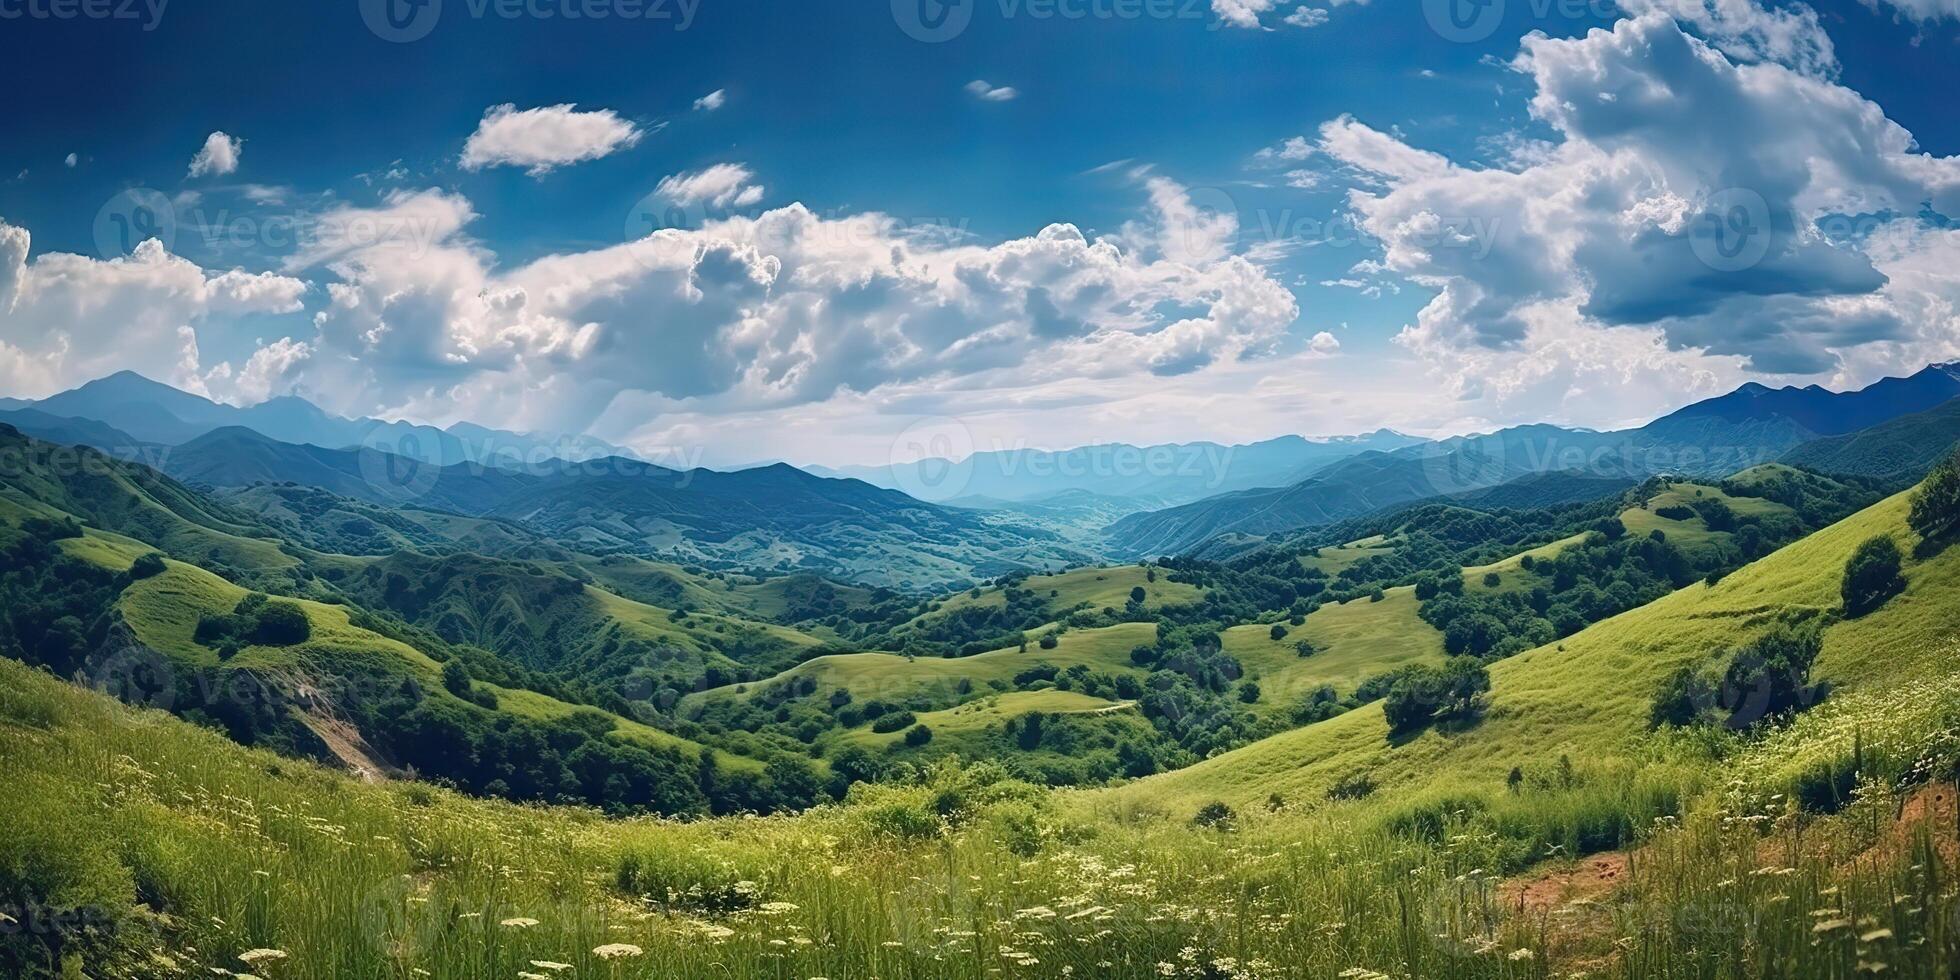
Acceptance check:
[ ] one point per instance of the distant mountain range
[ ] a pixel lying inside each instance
(971, 519)
(1148, 476)
(1902, 450)
(152, 413)
(771, 518)
(1752, 425)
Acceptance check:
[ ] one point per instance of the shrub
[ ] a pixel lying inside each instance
(1424, 695)
(1872, 576)
(281, 624)
(1772, 677)
(1685, 698)
(1936, 504)
(918, 736)
(1353, 786)
(1249, 692)
(1214, 814)
(894, 723)
(148, 566)
(1050, 642)
(1278, 633)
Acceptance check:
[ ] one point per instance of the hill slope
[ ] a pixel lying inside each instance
(1588, 696)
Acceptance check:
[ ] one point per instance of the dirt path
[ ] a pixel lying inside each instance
(1584, 881)
(347, 746)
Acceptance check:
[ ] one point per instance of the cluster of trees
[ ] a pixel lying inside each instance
(1764, 681)
(1421, 695)
(257, 620)
(1607, 574)
(1936, 505)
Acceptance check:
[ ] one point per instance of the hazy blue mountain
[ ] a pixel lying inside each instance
(157, 413)
(1161, 475)
(1750, 426)
(1903, 449)
(76, 432)
(775, 517)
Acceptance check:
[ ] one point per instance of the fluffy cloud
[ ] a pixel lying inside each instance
(1679, 233)
(66, 319)
(722, 186)
(541, 140)
(781, 309)
(217, 158)
(1922, 11)
(985, 92)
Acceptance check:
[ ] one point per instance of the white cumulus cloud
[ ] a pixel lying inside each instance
(544, 139)
(218, 157)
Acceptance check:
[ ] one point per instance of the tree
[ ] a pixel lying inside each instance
(148, 566)
(1423, 695)
(1684, 699)
(918, 736)
(1249, 692)
(456, 679)
(1278, 633)
(1772, 676)
(1138, 596)
(1872, 576)
(1936, 504)
(281, 624)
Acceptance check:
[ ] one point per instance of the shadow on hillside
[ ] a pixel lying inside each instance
(1933, 547)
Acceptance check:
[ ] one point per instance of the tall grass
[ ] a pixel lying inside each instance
(192, 852)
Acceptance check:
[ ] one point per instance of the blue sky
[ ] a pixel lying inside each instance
(1206, 154)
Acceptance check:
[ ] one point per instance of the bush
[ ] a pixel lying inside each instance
(281, 624)
(148, 566)
(918, 736)
(894, 723)
(1685, 698)
(1424, 695)
(1214, 814)
(1872, 576)
(1771, 678)
(1936, 504)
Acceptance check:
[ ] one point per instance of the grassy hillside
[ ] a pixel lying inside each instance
(1351, 642)
(181, 854)
(1093, 588)
(49, 480)
(1588, 696)
(881, 676)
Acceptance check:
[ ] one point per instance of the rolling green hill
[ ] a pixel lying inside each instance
(1616, 851)
(1587, 697)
